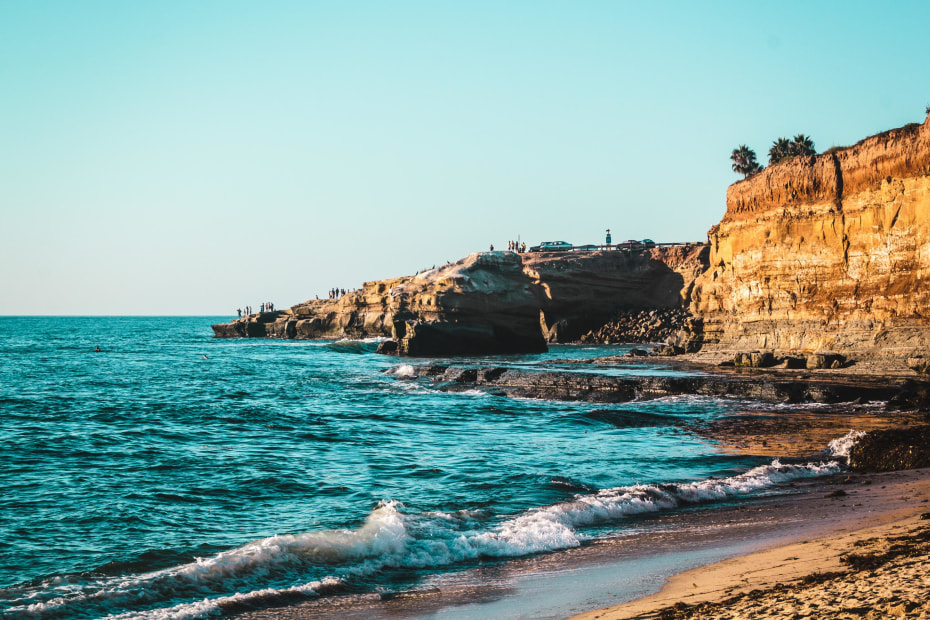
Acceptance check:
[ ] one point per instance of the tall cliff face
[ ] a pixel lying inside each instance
(830, 252)
(492, 301)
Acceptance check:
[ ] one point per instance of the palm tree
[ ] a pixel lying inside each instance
(744, 161)
(802, 145)
(780, 150)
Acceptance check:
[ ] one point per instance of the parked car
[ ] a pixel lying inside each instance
(630, 244)
(552, 246)
(649, 243)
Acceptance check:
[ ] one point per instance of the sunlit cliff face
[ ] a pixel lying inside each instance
(830, 252)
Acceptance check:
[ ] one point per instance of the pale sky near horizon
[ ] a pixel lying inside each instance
(168, 157)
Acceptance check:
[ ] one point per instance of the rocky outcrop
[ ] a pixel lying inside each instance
(484, 303)
(603, 388)
(825, 253)
(492, 302)
(892, 449)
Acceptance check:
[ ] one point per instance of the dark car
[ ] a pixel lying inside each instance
(649, 243)
(630, 244)
(552, 246)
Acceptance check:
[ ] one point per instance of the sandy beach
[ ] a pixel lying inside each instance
(872, 565)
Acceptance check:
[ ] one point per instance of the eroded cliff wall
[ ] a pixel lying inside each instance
(581, 291)
(830, 252)
(492, 301)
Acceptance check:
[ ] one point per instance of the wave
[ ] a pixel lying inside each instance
(840, 447)
(324, 561)
(402, 370)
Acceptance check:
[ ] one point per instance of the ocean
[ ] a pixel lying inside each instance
(174, 475)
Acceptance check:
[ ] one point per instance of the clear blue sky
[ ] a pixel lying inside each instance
(193, 157)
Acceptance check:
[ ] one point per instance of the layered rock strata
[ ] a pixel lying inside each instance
(492, 302)
(828, 252)
(582, 386)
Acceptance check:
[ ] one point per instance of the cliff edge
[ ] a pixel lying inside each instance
(827, 252)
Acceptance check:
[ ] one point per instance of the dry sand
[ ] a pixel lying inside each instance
(888, 575)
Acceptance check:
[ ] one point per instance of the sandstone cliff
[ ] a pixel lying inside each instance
(829, 252)
(582, 291)
(492, 302)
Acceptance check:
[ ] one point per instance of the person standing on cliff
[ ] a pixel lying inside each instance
(492, 247)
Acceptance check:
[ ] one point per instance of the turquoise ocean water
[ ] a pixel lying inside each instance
(174, 475)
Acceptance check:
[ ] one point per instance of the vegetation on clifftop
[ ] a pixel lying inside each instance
(744, 161)
(782, 148)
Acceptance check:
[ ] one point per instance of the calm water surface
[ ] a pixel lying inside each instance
(174, 475)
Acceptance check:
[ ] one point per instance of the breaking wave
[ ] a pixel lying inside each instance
(840, 447)
(389, 538)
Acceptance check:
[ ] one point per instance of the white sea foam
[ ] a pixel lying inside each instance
(391, 538)
(841, 446)
(474, 392)
(214, 607)
(404, 370)
(381, 536)
(554, 526)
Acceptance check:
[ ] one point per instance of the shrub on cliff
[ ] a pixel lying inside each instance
(744, 161)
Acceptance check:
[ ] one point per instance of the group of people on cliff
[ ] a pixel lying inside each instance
(336, 293)
(516, 246)
(266, 306)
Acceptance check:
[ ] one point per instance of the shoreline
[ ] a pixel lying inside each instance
(808, 576)
(593, 579)
(629, 570)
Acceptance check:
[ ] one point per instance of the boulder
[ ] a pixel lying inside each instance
(919, 364)
(892, 449)
(754, 359)
(817, 361)
(667, 350)
(388, 347)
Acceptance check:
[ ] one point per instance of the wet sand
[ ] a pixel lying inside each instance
(868, 568)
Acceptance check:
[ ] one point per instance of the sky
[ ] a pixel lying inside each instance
(190, 158)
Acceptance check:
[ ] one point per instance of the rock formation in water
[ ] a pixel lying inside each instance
(492, 302)
(828, 252)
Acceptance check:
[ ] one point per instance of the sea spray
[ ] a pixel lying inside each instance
(840, 447)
